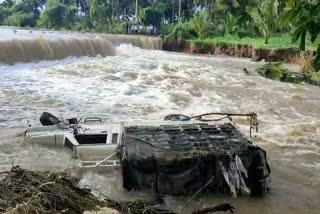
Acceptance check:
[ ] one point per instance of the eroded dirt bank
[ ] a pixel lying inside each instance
(288, 55)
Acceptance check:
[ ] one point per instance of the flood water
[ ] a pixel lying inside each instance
(149, 84)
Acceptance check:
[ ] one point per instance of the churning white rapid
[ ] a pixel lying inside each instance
(147, 84)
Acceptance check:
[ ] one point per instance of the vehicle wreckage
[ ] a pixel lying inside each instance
(179, 155)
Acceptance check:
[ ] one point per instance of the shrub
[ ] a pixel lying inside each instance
(315, 79)
(231, 24)
(21, 20)
(201, 24)
(242, 33)
(166, 29)
(118, 27)
(4, 13)
(183, 31)
(275, 71)
(316, 61)
(307, 64)
(292, 77)
(219, 30)
(271, 71)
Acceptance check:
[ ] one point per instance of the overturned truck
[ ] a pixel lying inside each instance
(185, 158)
(179, 155)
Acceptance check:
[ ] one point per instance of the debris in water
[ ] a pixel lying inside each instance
(23, 191)
(245, 71)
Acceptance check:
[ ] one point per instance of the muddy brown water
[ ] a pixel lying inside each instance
(149, 84)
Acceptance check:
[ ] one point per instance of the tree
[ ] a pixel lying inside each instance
(203, 3)
(7, 3)
(201, 24)
(71, 17)
(235, 7)
(21, 20)
(150, 16)
(160, 6)
(22, 13)
(304, 15)
(54, 15)
(4, 13)
(231, 24)
(100, 10)
(265, 16)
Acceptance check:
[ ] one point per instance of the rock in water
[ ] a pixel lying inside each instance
(245, 70)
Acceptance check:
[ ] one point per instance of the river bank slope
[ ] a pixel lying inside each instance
(287, 55)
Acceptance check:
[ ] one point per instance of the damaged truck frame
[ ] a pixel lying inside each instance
(179, 155)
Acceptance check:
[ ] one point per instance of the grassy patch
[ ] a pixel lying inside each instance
(274, 42)
(315, 79)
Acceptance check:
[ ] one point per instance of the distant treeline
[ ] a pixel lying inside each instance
(181, 19)
(243, 17)
(101, 15)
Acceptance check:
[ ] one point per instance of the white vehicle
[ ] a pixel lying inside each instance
(151, 152)
(91, 141)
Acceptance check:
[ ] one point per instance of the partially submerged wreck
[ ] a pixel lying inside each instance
(179, 155)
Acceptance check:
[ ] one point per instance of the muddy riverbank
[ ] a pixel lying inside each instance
(287, 55)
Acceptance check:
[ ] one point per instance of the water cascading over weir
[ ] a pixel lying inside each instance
(27, 46)
(18, 45)
(144, 42)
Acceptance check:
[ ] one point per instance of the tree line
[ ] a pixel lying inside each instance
(254, 16)
(87, 14)
(184, 19)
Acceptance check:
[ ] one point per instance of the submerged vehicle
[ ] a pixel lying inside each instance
(179, 155)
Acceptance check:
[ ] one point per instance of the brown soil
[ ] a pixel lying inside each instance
(288, 55)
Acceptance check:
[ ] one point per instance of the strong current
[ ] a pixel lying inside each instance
(135, 83)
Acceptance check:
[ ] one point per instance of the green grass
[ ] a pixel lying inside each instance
(315, 78)
(274, 42)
